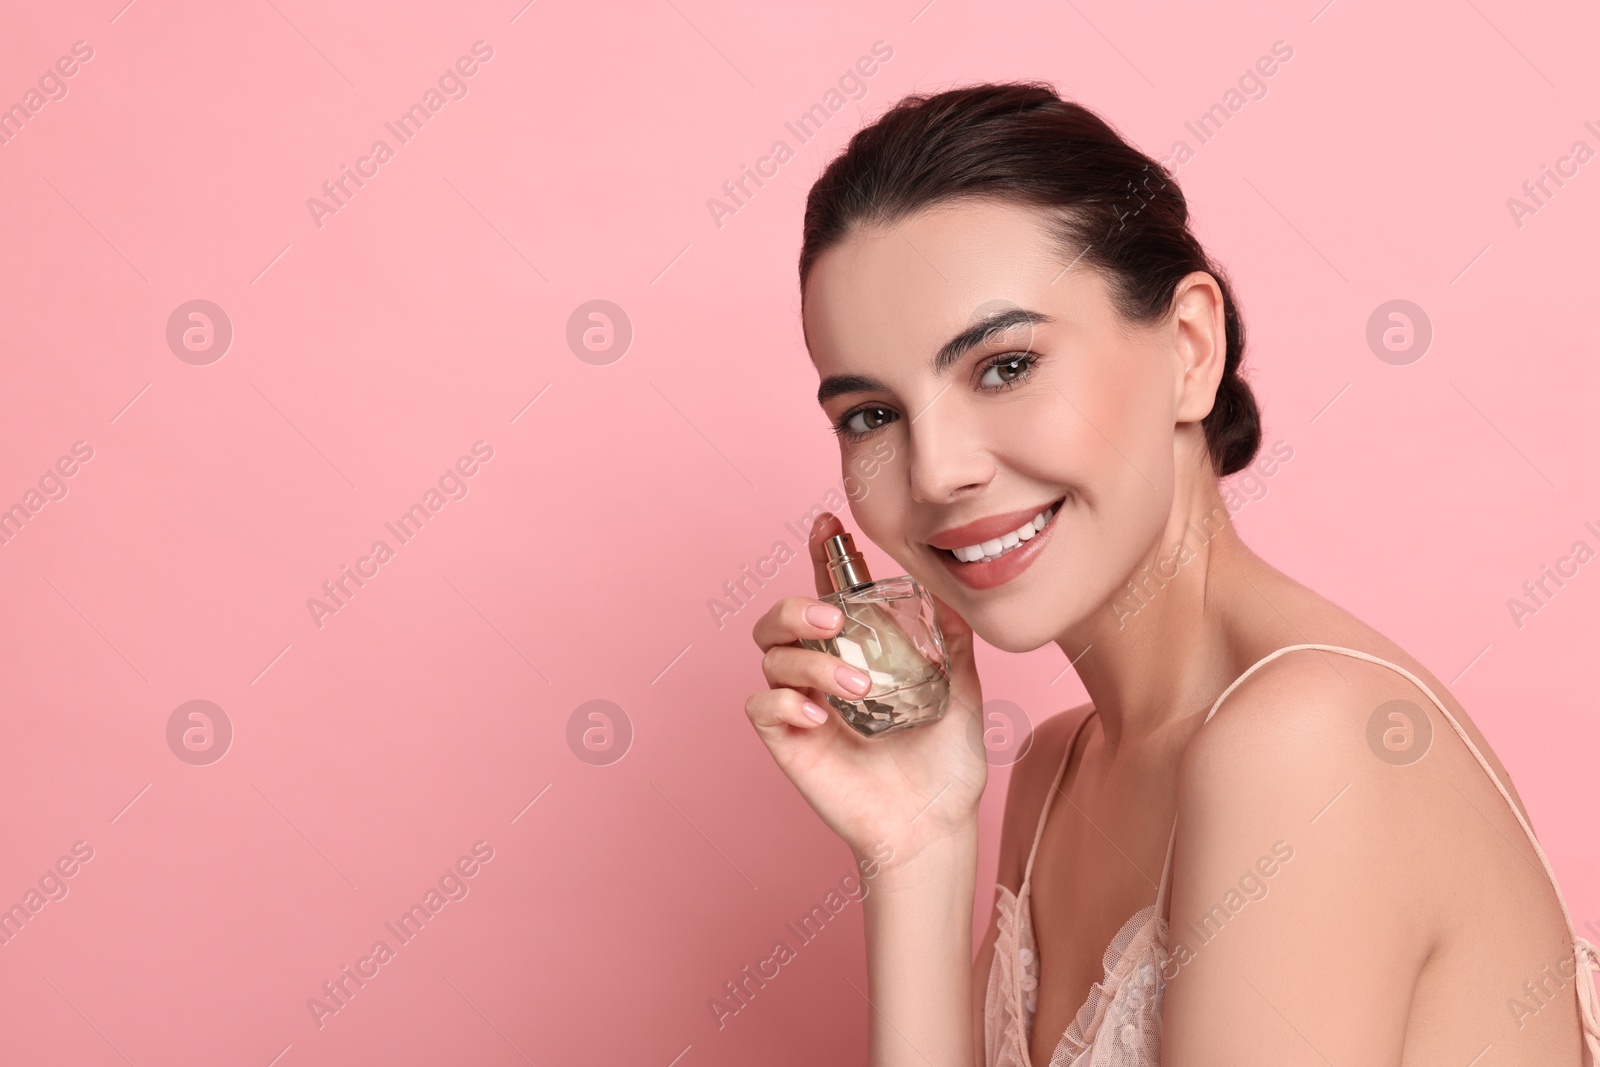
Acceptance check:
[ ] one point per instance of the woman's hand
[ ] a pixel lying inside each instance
(909, 789)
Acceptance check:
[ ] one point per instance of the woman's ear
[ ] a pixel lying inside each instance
(1201, 345)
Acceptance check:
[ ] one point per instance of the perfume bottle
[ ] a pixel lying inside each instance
(889, 632)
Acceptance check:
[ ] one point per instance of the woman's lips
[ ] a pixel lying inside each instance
(984, 529)
(990, 573)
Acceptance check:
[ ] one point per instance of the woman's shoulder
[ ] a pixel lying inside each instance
(1311, 712)
(1032, 775)
(1339, 748)
(1028, 789)
(1310, 708)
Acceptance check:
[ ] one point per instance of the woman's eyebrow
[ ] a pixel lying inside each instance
(840, 384)
(952, 350)
(973, 335)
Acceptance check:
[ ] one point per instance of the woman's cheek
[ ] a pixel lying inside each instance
(877, 515)
(1044, 436)
(1128, 402)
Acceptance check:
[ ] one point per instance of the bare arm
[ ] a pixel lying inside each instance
(981, 967)
(919, 969)
(1294, 936)
(915, 793)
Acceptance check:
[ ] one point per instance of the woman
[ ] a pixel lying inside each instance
(1272, 837)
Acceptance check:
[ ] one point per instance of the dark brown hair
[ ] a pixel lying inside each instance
(1118, 211)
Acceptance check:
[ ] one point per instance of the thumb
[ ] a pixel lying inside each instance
(964, 685)
(957, 634)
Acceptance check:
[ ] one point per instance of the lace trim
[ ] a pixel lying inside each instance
(1119, 1024)
(1013, 985)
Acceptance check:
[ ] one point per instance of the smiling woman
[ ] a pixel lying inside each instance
(1008, 294)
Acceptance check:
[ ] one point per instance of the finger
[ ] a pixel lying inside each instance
(827, 525)
(786, 666)
(768, 708)
(793, 618)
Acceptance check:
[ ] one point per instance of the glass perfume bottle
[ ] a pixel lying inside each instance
(890, 632)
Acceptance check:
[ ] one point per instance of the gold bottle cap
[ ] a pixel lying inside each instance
(846, 567)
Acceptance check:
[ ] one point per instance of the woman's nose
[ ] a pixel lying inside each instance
(948, 457)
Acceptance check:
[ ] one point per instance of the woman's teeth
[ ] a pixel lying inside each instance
(989, 550)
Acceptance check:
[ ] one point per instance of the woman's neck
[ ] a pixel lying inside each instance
(1169, 641)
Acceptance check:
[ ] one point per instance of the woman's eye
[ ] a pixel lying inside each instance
(1005, 371)
(867, 419)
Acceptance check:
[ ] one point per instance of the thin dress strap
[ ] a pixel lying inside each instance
(1166, 871)
(1055, 783)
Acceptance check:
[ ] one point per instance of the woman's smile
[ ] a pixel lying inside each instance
(992, 551)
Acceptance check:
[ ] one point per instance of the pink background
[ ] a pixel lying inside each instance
(368, 354)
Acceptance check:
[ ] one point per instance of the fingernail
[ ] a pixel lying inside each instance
(825, 616)
(814, 713)
(853, 680)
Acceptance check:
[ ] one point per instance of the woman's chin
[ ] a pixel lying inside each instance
(1013, 635)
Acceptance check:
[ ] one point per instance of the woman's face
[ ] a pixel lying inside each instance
(1002, 384)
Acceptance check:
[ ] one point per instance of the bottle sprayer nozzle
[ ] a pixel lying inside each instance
(846, 567)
